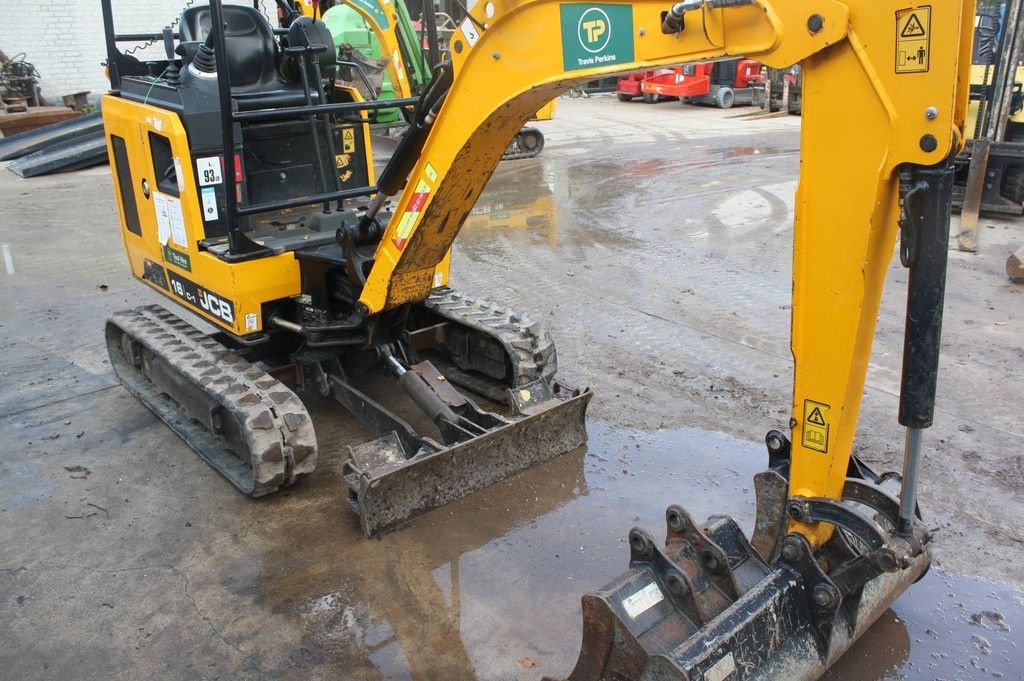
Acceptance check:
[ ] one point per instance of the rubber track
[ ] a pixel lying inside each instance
(275, 424)
(517, 150)
(528, 346)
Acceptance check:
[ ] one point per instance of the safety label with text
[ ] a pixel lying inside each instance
(913, 39)
(412, 212)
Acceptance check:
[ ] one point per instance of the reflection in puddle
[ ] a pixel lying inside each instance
(489, 587)
(566, 203)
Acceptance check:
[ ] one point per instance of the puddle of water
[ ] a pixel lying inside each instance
(558, 201)
(489, 587)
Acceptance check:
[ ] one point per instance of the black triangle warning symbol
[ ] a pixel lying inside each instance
(816, 418)
(913, 29)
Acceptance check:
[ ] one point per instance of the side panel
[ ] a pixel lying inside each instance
(165, 253)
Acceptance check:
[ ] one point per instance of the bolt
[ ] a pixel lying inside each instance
(887, 561)
(815, 23)
(796, 511)
(675, 521)
(496, 54)
(642, 32)
(710, 561)
(791, 551)
(676, 586)
(825, 596)
(931, 113)
(929, 143)
(638, 541)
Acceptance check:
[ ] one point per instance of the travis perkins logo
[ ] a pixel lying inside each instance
(593, 30)
(595, 35)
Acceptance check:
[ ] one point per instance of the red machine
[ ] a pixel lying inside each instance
(722, 83)
(628, 85)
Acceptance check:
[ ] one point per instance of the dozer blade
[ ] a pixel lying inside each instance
(708, 607)
(240, 420)
(387, 489)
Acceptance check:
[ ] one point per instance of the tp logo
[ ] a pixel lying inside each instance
(594, 30)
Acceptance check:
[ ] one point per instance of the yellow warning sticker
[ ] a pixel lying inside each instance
(816, 425)
(431, 173)
(913, 39)
(348, 140)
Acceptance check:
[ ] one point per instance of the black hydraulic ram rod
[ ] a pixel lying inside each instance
(926, 202)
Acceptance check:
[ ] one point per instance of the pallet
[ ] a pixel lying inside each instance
(36, 117)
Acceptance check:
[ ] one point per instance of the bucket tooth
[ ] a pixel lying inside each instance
(710, 606)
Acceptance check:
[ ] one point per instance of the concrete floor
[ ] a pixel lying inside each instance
(656, 243)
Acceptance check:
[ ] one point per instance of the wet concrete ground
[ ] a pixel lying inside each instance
(655, 242)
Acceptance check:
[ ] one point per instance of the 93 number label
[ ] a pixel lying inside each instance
(209, 170)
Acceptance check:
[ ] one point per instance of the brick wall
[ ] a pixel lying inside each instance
(65, 40)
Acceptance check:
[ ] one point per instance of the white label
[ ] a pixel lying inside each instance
(251, 322)
(178, 175)
(177, 222)
(469, 30)
(209, 195)
(170, 223)
(438, 278)
(721, 669)
(163, 219)
(209, 170)
(643, 600)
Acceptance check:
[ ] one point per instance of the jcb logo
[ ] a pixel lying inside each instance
(217, 307)
(595, 30)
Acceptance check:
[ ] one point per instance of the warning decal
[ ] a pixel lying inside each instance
(913, 39)
(405, 225)
(815, 430)
(348, 140)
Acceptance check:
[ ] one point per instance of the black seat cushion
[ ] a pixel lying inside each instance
(252, 50)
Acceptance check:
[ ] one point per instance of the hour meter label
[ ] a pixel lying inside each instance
(913, 39)
(595, 35)
(209, 170)
(205, 300)
(816, 426)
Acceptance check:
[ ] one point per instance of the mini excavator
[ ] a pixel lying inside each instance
(245, 200)
(235, 204)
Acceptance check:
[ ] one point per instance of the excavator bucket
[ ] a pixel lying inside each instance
(712, 606)
(387, 487)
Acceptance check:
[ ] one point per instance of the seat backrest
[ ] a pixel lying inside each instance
(252, 51)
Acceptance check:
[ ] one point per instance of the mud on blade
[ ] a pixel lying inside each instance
(388, 488)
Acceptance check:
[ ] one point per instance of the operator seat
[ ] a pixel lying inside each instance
(254, 61)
